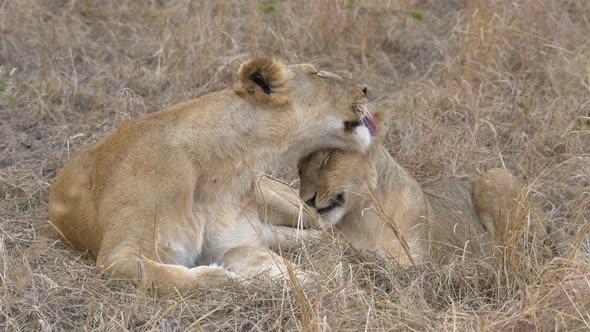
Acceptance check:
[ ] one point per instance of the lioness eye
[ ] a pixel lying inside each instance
(350, 125)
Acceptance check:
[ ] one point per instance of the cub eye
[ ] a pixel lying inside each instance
(311, 202)
(299, 172)
(339, 199)
(350, 125)
(365, 90)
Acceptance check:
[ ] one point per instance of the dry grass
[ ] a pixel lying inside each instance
(473, 85)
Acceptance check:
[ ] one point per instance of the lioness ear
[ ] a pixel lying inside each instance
(265, 80)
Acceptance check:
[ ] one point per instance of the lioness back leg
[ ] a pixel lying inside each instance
(159, 253)
(499, 199)
(164, 277)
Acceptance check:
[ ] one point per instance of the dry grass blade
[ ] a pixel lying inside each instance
(390, 222)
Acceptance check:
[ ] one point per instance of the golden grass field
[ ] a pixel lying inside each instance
(473, 85)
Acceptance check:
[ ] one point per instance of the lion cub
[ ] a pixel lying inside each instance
(169, 199)
(378, 206)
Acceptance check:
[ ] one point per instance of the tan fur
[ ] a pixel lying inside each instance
(386, 210)
(167, 199)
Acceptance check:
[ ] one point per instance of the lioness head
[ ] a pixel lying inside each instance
(335, 182)
(318, 109)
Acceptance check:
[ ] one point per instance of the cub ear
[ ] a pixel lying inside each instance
(379, 120)
(380, 117)
(265, 80)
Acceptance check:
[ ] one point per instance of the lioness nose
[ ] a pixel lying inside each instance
(311, 202)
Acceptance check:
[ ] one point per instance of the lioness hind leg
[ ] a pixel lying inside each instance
(164, 277)
(499, 199)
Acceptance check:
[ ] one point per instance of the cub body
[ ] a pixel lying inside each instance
(376, 205)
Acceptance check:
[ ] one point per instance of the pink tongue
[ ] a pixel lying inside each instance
(369, 121)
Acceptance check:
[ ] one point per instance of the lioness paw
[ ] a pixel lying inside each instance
(215, 274)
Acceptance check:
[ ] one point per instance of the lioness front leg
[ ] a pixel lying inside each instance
(287, 238)
(250, 261)
(245, 247)
(279, 204)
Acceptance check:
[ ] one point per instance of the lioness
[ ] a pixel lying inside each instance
(167, 199)
(376, 205)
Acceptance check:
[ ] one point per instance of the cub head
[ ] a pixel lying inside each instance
(336, 182)
(319, 109)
